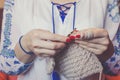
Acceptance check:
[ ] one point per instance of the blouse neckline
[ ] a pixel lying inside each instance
(64, 9)
(77, 1)
(50, 2)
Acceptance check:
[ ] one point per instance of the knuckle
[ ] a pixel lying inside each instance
(106, 42)
(35, 51)
(106, 33)
(54, 46)
(100, 52)
(87, 45)
(53, 52)
(33, 45)
(105, 48)
(35, 34)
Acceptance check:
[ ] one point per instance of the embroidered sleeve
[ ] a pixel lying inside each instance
(113, 11)
(112, 66)
(10, 34)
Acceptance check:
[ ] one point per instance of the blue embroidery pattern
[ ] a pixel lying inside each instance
(117, 48)
(63, 8)
(8, 5)
(118, 37)
(6, 53)
(20, 70)
(107, 69)
(8, 20)
(112, 66)
(113, 59)
(112, 11)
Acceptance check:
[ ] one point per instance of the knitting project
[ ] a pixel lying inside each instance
(75, 63)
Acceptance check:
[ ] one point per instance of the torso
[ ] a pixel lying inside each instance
(42, 18)
(37, 14)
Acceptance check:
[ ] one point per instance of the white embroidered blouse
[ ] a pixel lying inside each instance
(20, 16)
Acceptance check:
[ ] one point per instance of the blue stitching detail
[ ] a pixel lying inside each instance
(113, 59)
(107, 69)
(9, 53)
(62, 12)
(8, 5)
(20, 70)
(118, 36)
(117, 48)
(111, 7)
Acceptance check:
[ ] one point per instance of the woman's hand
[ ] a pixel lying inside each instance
(95, 40)
(42, 43)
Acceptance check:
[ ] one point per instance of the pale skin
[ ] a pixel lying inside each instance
(100, 43)
(49, 44)
(39, 44)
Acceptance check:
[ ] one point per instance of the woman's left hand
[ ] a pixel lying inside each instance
(96, 40)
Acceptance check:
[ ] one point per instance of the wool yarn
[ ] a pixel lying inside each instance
(75, 63)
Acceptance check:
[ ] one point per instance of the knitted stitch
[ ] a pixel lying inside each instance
(76, 63)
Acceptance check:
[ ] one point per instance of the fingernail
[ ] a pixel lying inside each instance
(78, 36)
(72, 37)
(68, 40)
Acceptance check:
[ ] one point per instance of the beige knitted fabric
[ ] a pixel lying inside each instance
(76, 63)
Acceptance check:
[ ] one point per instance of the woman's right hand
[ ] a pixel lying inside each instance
(43, 43)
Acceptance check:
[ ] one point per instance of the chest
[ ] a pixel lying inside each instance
(86, 14)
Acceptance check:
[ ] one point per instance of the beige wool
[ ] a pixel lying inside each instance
(75, 63)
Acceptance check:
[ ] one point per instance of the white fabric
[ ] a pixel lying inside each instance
(37, 14)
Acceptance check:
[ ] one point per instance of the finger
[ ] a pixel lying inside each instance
(97, 32)
(57, 37)
(95, 51)
(93, 45)
(48, 44)
(74, 31)
(77, 35)
(91, 33)
(44, 55)
(102, 41)
(83, 35)
(41, 52)
(54, 37)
